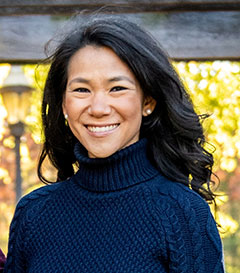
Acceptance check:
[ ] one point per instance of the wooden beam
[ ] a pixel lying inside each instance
(24, 7)
(186, 35)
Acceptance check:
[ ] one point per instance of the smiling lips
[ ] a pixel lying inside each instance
(102, 129)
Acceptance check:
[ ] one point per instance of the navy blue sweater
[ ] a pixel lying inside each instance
(114, 215)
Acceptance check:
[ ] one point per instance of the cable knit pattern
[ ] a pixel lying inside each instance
(116, 215)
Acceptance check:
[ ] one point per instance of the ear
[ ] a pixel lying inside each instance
(148, 106)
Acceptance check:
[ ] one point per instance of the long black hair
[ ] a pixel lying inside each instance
(174, 131)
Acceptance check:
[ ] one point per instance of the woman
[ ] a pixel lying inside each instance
(115, 110)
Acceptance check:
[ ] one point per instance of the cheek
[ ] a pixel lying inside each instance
(132, 110)
(72, 107)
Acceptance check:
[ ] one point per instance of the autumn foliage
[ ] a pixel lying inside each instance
(214, 88)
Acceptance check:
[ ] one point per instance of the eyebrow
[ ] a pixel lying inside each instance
(79, 79)
(114, 79)
(121, 78)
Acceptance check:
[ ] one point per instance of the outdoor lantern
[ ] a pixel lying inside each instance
(16, 93)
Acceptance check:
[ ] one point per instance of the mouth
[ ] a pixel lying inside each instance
(102, 129)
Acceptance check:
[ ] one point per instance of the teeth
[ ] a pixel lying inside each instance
(102, 129)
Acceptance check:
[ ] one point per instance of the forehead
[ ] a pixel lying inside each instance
(93, 58)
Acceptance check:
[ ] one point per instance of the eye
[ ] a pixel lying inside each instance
(117, 88)
(81, 90)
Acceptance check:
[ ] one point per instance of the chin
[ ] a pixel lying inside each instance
(100, 154)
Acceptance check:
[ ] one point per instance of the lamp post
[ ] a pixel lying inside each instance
(16, 93)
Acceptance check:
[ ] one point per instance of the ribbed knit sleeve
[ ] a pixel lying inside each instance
(192, 239)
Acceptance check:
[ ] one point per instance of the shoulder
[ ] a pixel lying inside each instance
(39, 194)
(32, 203)
(176, 195)
(187, 225)
(179, 205)
(28, 208)
(184, 210)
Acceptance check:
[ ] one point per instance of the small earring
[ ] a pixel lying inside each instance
(66, 117)
(148, 111)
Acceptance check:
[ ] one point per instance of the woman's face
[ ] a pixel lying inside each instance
(103, 101)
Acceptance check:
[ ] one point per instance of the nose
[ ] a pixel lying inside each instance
(99, 105)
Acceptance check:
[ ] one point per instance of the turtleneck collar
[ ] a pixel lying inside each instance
(125, 168)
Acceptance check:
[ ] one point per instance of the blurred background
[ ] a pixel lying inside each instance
(202, 39)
